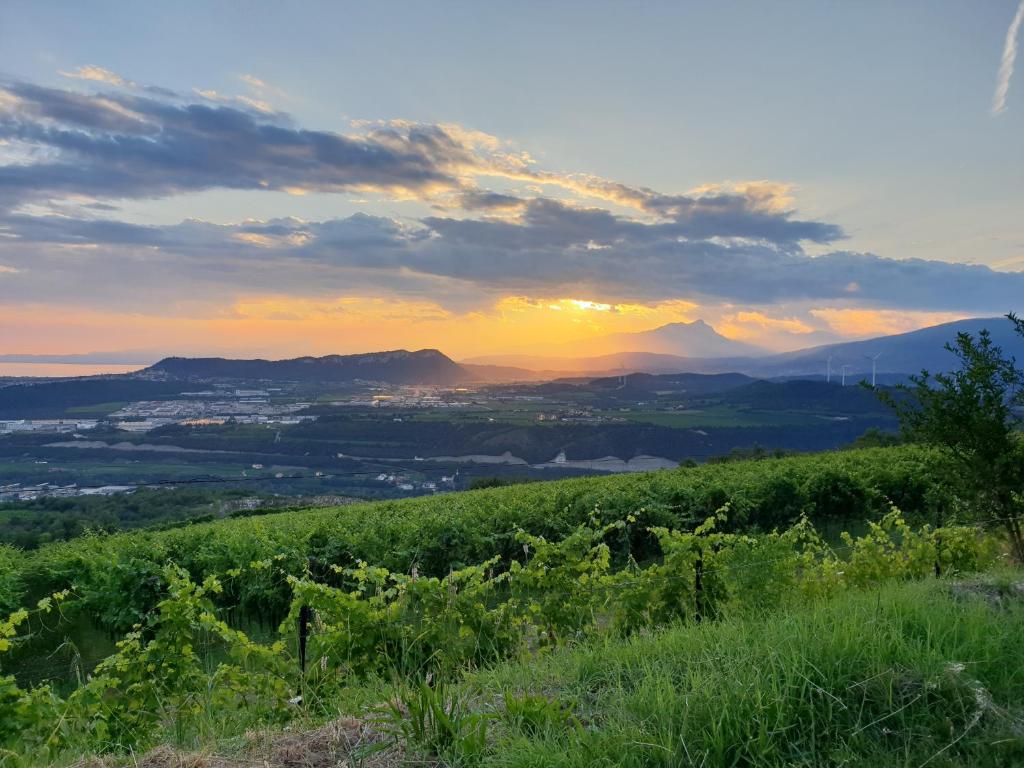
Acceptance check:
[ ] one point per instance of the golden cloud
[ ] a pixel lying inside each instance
(881, 322)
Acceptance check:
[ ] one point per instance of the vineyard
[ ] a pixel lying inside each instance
(118, 576)
(248, 623)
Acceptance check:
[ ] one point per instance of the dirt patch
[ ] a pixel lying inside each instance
(345, 743)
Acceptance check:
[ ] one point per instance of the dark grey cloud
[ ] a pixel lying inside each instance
(484, 200)
(732, 215)
(132, 144)
(120, 145)
(552, 249)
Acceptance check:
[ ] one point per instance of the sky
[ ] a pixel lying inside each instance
(311, 178)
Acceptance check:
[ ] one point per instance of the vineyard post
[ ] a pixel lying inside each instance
(698, 584)
(303, 636)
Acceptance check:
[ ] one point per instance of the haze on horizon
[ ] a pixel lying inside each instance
(250, 180)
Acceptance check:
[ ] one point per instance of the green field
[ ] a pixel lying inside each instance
(720, 416)
(98, 410)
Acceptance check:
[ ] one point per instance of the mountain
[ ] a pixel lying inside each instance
(425, 366)
(900, 353)
(674, 340)
(696, 339)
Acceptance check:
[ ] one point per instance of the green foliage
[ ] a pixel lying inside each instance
(479, 483)
(874, 437)
(30, 524)
(160, 674)
(533, 715)
(562, 583)
(437, 722)
(408, 624)
(969, 414)
(11, 586)
(837, 495)
(893, 550)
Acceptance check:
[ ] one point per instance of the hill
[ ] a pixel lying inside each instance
(804, 395)
(901, 353)
(425, 366)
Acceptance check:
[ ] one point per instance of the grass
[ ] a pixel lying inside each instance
(906, 675)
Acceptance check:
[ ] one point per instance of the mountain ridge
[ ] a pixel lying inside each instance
(398, 366)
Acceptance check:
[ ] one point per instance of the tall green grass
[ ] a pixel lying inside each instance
(906, 675)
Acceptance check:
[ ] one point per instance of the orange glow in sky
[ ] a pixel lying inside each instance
(283, 326)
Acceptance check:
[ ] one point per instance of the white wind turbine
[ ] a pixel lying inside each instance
(874, 363)
(845, 368)
(828, 369)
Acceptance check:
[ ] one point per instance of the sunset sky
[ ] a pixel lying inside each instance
(286, 179)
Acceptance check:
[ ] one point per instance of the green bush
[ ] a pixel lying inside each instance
(838, 495)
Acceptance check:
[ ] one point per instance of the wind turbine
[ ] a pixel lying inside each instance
(828, 369)
(874, 362)
(845, 367)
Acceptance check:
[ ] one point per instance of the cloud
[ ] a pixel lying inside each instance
(253, 81)
(547, 252)
(246, 101)
(126, 145)
(880, 322)
(261, 87)
(762, 321)
(734, 242)
(129, 146)
(1006, 63)
(96, 74)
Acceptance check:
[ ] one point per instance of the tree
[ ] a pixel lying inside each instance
(969, 414)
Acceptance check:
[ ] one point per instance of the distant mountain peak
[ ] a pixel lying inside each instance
(695, 338)
(698, 323)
